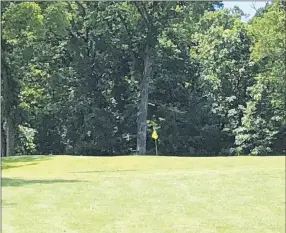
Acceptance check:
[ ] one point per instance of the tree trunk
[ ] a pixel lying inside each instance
(3, 141)
(10, 137)
(143, 104)
(8, 113)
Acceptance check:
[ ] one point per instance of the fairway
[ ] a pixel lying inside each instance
(148, 194)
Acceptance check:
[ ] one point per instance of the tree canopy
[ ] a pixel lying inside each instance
(96, 78)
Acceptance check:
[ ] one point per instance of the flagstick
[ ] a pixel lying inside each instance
(156, 146)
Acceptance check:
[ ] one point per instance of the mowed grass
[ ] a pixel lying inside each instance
(133, 194)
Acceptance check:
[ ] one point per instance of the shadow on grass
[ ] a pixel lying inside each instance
(8, 166)
(13, 182)
(106, 171)
(8, 205)
(11, 162)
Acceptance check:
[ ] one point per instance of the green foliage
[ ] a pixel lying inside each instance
(22, 22)
(57, 18)
(74, 73)
(26, 140)
(265, 114)
(226, 70)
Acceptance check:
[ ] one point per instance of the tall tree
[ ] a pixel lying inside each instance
(265, 116)
(226, 70)
(21, 23)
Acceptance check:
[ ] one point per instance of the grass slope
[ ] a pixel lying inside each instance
(56, 194)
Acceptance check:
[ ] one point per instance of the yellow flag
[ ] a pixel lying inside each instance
(154, 134)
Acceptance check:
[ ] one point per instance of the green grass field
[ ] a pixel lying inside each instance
(132, 194)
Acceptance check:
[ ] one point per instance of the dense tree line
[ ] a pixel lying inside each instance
(95, 78)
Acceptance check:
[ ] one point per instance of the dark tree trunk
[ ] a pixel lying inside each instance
(10, 137)
(8, 104)
(3, 141)
(143, 103)
(144, 87)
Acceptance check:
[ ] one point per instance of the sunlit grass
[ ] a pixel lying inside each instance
(55, 194)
